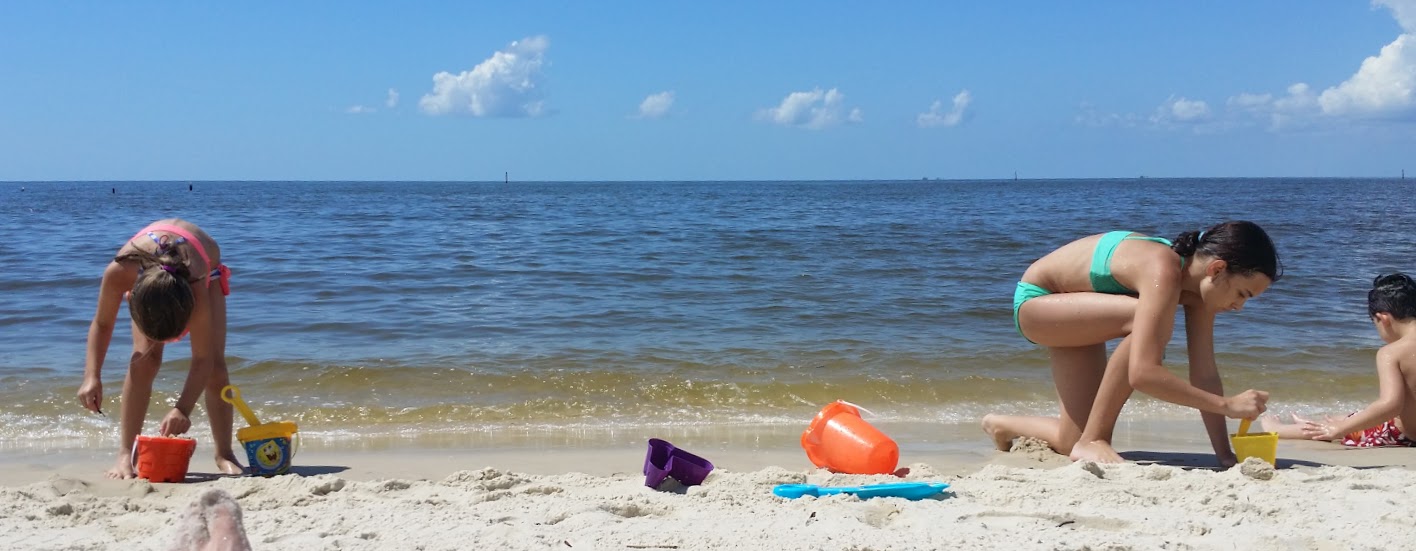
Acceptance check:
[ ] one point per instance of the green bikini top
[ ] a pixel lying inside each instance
(1101, 278)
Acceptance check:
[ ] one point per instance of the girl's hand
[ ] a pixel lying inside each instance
(91, 394)
(1246, 405)
(1321, 431)
(174, 423)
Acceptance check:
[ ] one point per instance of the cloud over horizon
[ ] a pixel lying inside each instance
(936, 116)
(504, 85)
(1382, 89)
(813, 110)
(655, 106)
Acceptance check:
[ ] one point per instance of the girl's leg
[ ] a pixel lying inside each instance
(137, 392)
(218, 411)
(1075, 327)
(1077, 373)
(1115, 388)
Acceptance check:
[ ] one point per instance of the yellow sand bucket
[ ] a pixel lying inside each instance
(270, 447)
(1263, 445)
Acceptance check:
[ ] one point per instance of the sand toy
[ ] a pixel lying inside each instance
(270, 447)
(841, 441)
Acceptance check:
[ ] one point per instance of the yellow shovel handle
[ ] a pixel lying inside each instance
(232, 395)
(1244, 427)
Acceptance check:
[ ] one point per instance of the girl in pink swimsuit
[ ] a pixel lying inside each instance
(154, 272)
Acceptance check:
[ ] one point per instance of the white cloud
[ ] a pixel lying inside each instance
(1403, 10)
(937, 117)
(656, 105)
(812, 110)
(1385, 84)
(360, 110)
(1181, 110)
(1248, 101)
(504, 85)
(1383, 88)
(1089, 116)
(392, 100)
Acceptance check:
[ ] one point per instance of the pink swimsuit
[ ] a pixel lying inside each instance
(220, 272)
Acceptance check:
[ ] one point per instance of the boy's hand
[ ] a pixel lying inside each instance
(174, 423)
(1246, 405)
(91, 394)
(1321, 431)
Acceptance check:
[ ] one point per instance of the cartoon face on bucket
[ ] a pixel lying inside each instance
(268, 456)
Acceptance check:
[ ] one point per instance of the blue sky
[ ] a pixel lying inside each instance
(705, 90)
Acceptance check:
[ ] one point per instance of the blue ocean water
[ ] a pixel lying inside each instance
(388, 307)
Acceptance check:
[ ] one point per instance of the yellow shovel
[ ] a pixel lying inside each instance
(1263, 445)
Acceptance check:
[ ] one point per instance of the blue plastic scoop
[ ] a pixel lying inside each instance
(912, 491)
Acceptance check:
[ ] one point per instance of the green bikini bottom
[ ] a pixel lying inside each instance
(1023, 293)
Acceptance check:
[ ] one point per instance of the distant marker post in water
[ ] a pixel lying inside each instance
(506, 177)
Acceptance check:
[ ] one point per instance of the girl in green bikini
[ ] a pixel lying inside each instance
(1128, 286)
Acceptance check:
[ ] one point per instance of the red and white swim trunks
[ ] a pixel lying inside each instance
(1385, 434)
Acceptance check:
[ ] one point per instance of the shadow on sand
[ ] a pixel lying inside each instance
(1200, 460)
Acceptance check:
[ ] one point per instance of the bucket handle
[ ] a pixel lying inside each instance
(1244, 427)
(232, 395)
(872, 414)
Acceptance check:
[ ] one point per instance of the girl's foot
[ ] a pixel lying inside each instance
(1002, 438)
(1099, 451)
(227, 465)
(122, 467)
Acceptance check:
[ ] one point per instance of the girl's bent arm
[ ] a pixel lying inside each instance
(1204, 374)
(1154, 323)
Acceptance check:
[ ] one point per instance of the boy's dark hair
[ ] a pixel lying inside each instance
(1393, 294)
(161, 301)
(1242, 245)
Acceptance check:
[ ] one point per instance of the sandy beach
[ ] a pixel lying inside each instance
(1321, 496)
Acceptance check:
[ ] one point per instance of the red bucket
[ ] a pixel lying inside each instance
(163, 459)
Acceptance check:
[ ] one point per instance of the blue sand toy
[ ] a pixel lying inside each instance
(912, 491)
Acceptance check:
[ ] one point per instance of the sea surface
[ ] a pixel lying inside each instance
(408, 309)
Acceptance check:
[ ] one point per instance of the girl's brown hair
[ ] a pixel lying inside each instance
(161, 301)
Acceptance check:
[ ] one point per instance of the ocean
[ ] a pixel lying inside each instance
(473, 312)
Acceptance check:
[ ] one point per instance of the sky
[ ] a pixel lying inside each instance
(820, 90)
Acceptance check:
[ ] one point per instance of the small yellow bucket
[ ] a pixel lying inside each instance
(1263, 445)
(270, 447)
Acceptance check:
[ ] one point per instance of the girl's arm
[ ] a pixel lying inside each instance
(1151, 329)
(117, 278)
(178, 419)
(1204, 374)
(1389, 402)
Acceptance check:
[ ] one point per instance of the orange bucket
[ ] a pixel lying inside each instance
(163, 459)
(841, 441)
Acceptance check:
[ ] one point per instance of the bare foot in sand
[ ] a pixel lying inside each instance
(1099, 451)
(1002, 439)
(227, 465)
(122, 467)
(212, 523)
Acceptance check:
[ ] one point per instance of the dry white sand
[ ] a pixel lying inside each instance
(1322, 497)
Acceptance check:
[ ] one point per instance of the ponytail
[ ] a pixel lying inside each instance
(1186, 243)
(1242, 245)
